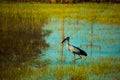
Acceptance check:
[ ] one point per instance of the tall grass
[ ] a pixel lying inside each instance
(105, 13)
(102, 68)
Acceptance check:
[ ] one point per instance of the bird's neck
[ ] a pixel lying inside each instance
(67, 44)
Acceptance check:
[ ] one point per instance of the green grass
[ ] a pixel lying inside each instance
(104, 13)
(107, 68)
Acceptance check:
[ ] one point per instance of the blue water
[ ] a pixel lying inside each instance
(106, 38)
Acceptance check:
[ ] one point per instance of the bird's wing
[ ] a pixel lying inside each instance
(82, 52)
(74, 49)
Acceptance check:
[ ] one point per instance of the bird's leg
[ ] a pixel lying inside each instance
(80, 57)
(74, 58)
(85, 57)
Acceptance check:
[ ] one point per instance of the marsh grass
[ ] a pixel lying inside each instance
(103, 67)
(103, 13)
(16, 73)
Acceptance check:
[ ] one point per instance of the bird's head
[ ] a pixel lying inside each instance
(67, 38)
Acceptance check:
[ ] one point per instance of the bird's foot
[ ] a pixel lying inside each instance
(73, 60)
(76, 59)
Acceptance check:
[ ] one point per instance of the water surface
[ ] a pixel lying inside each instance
(105, 39)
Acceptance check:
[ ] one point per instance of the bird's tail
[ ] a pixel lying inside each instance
(83, 53)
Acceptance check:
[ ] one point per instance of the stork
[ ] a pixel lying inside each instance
(75, 50)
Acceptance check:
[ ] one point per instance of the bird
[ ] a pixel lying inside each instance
(75, 50)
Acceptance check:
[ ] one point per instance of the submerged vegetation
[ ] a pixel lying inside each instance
(22, 40)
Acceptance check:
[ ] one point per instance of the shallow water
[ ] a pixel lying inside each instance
(105, 39)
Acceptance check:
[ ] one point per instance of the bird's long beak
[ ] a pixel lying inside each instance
(63, 40)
